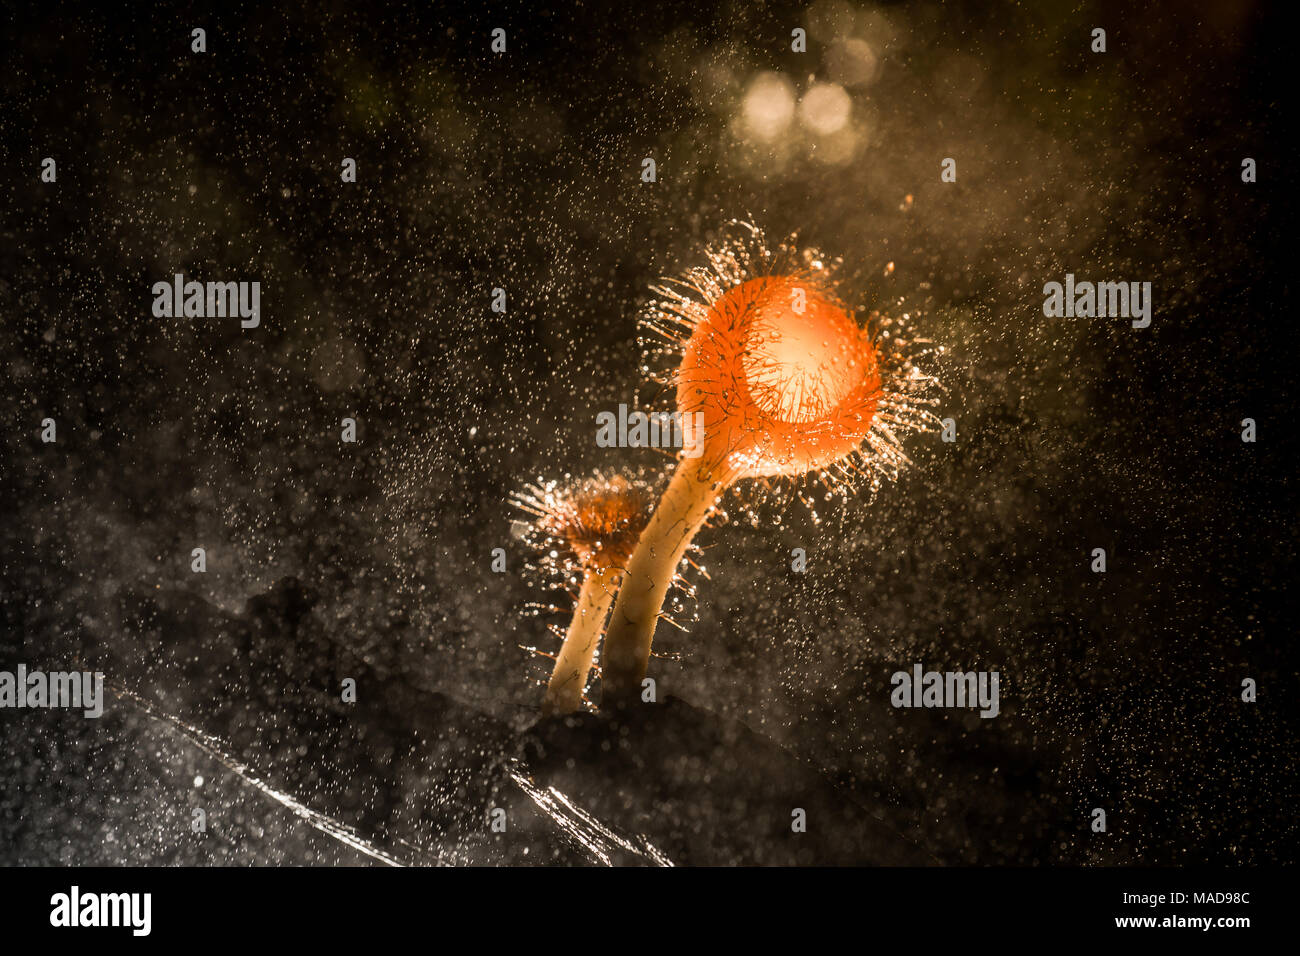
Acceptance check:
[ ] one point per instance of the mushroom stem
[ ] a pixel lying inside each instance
(685, 504)
(573, 664)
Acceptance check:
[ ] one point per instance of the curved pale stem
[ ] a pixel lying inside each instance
(569, 679)
(686, 502)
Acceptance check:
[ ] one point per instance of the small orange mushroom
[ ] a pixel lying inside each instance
(585, 532)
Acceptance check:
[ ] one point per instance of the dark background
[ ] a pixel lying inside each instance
(326, 560)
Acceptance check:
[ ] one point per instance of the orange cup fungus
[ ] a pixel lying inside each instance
(785, 383)
(585, 533)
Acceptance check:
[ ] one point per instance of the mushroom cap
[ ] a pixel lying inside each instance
(785, 379)
(596, 521)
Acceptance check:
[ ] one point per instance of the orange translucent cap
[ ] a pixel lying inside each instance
(599, 520)
(786, 380)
